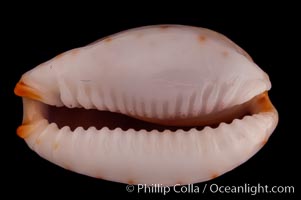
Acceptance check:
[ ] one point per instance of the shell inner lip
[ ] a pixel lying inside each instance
(86, 118)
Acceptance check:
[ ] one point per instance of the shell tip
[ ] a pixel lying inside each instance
(23, 131)
(24, 90)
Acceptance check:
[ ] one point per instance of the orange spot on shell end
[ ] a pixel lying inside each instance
(25, 90)
(264, 102)
(23, 131)
(261, 103)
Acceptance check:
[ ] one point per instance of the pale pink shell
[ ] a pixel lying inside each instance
(159, 73)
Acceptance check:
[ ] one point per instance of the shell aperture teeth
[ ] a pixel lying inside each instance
(86, 118)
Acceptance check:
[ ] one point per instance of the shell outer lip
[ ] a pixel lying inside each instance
(39, 141)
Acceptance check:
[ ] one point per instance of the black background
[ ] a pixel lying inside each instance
(268, 35)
